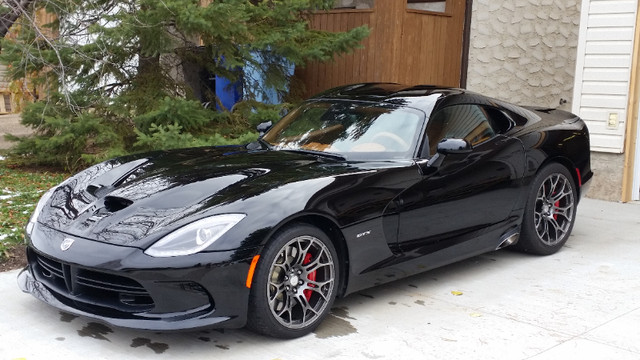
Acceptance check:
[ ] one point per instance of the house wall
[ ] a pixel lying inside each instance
(604, 69)
(405, 45)
(602, 83)
(5, 93)
(12, 99)
(524, 51)
(607, 178)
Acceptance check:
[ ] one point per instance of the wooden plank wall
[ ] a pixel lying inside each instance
(432, 46)
(405, 46)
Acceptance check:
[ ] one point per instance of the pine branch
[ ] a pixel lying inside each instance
(14, 9)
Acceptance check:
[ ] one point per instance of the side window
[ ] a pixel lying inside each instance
(500, 121)
(468, 122)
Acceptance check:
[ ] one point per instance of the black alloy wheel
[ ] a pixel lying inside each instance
(550, 212)
(295, 283)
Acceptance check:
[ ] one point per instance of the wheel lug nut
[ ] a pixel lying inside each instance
(299, 272)
(300, 282)
(286, 277)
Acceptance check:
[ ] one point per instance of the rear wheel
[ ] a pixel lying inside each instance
(294, 284)
(550, 212)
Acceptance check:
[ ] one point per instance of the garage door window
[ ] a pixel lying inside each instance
(353, 4)
(439, 6)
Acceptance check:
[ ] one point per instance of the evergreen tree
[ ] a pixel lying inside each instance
(114, 77)
(10, 11)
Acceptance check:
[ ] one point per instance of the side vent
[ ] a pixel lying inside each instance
(91, 189)
(113, 203)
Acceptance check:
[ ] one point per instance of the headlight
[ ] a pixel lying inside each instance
(36, 212)
(194, 237)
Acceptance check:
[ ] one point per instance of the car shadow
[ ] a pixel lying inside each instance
(341, 322)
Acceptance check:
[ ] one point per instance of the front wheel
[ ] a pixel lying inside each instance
(550, 211)
(295, 283)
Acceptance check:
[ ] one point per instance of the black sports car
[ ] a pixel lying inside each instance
(358, 186)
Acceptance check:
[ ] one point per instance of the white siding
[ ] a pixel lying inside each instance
(603, 69)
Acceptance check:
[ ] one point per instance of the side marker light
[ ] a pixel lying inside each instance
(252, 269)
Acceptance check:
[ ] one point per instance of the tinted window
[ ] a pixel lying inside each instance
(468, 122)
(499, 120)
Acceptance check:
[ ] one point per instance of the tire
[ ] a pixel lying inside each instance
(550, 211)
(295, 283)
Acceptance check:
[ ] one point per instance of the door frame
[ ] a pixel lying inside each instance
(466, 43)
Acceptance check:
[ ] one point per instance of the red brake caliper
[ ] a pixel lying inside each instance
(312, 276)
(557, 204)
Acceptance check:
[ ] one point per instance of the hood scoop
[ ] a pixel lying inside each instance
(114, 203)
(113, 178)
(99, 190)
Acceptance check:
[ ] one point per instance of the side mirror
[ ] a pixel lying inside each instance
(447, 147)
(263, 127)
(454, 146)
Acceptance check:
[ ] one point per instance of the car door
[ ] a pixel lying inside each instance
(466, 192)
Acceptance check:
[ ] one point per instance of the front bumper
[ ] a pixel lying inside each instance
(28, 284)
(124, 287)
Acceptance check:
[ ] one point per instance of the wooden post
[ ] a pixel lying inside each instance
(631, 130)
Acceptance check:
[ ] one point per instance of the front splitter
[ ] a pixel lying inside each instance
(29, 284)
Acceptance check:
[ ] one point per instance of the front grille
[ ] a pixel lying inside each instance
(86, 287)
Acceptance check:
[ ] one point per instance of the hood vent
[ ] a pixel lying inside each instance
(91, 189)
(113, 203)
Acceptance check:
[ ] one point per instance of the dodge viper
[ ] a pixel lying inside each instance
(359, 185)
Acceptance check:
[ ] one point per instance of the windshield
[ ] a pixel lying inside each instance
(350, 129)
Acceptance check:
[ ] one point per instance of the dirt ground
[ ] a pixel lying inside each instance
(16, 259)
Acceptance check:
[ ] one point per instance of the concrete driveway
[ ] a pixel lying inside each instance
(10, 124)
(581, 303)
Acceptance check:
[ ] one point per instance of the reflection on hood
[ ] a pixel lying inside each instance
(123, 201)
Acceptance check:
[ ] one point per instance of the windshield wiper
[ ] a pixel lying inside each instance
(317, 153)
(259, 145)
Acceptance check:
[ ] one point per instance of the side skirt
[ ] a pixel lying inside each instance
(425, 258)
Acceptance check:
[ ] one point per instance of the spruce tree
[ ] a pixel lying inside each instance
(113, 77)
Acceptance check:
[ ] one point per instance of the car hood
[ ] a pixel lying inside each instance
(133, 201)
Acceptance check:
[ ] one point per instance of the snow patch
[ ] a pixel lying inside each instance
(8, 195)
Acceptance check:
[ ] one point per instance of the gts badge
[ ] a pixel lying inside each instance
(368, 232)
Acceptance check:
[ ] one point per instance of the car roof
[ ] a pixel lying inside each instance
(394, 93)
(385, 92)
